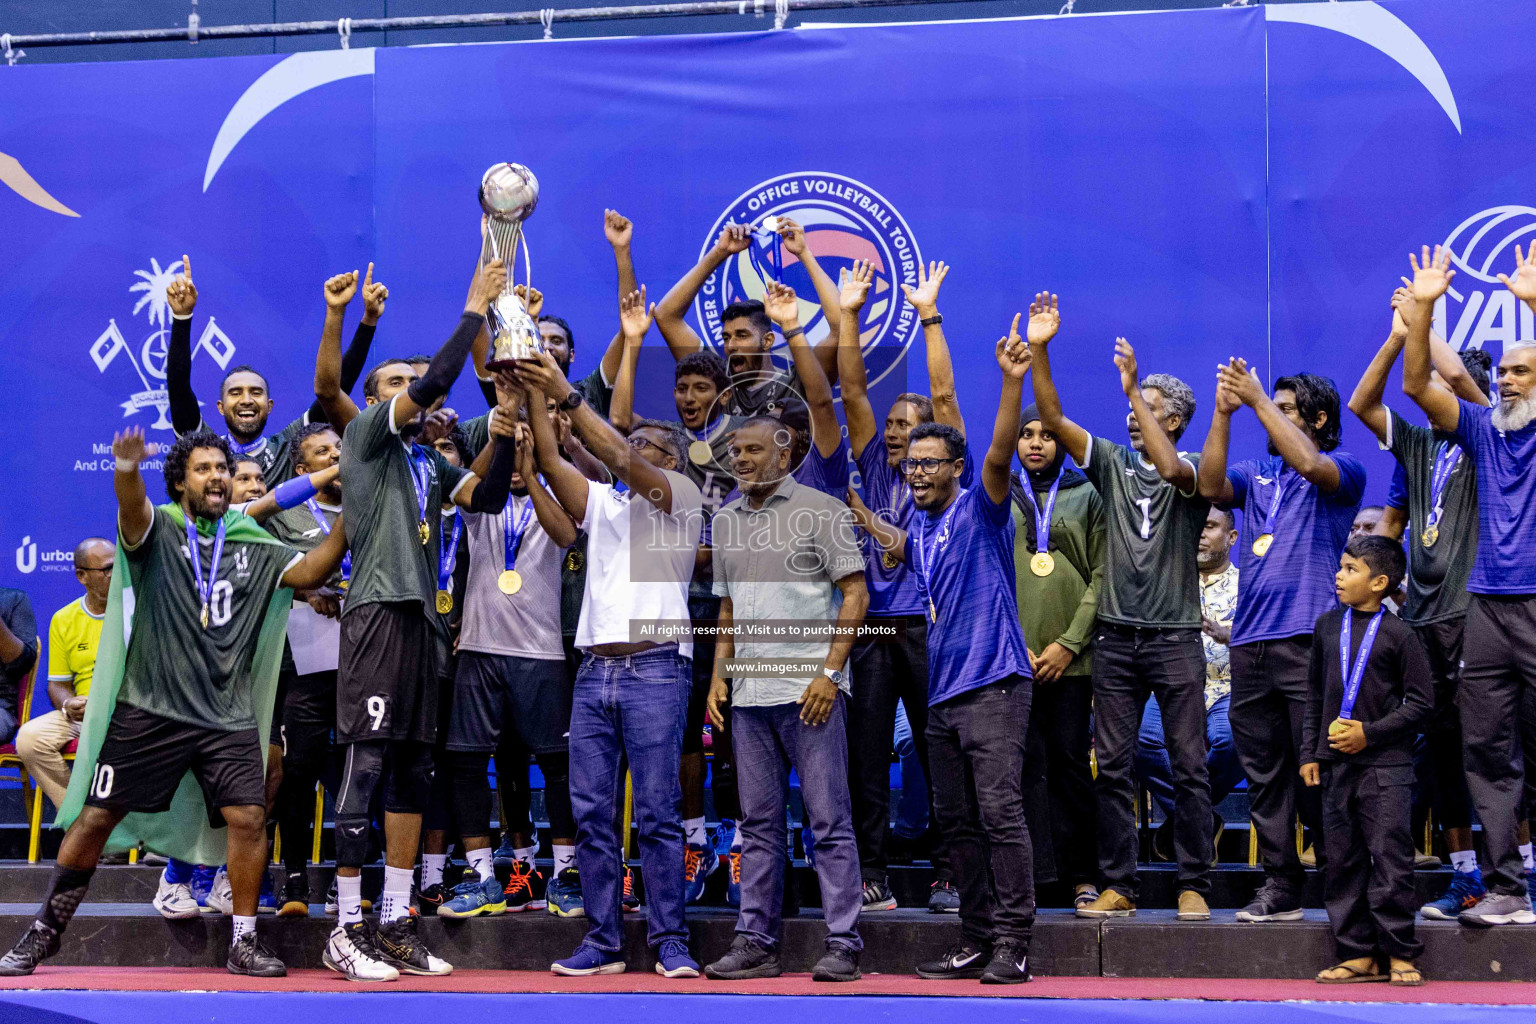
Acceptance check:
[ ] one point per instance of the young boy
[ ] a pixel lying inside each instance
(1369, 692)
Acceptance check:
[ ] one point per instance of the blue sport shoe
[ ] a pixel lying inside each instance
(266, 903)
(589, 960)
(809, 839)
(699, 862)
(503, 857)
(474, 898)
(725, 835)
(563, 896)
(673, 961)
(1465, 890)
(202, 885)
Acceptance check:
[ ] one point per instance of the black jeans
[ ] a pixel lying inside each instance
(1269, 704)
(1129, 664)
(1058, 782)
(1448, 776)
(976, 764)
(883, 672)
(1368, 884)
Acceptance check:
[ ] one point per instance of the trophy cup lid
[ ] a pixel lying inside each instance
(509, 192)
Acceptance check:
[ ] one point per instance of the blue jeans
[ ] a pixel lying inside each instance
(912, 806)
(1220, 759)
(767, 742)
(633, 707)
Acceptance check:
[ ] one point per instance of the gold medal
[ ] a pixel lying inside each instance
(700, 452)
(205, 615)
(1042, 564)
(1430, 535)
(573, 561)
(1337, 728)
(344, 584)
(888, 560)
(444, 602)
(424, 532)
(1261, 546)
(509, 582)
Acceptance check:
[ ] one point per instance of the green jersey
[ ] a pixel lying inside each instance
(298, 528)
(176, 667)
(1438, 574)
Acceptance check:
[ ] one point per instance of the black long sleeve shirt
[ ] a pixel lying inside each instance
(1396, 695)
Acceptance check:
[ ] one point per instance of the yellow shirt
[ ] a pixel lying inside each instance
(72, 638)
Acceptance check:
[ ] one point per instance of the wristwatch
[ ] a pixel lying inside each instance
(838, 678)
(930, 321)
(571, 401)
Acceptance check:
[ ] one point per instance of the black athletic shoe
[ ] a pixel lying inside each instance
(962, 960)
(401, 948)
(745, 959)
(295, 895)
(1009, 966)
(430, 898)
(251, 958)
(1275, 901)
(36, 944)
(839, 963)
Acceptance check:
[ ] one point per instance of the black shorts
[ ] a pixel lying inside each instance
(387, 686)
(501, 692)
(309, 714)
(145, 755)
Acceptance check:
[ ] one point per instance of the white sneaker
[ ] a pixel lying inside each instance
(221, 898)
(351, 953)
(174, 900)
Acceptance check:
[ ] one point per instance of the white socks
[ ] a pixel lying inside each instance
(1464, 861)
(565, 857)
(695, 830)
(432, 865)
(396, 901)
(243, 925)
(736, 841)
(526, 854)
(1525, 858)
(349, 900)
(482, 862)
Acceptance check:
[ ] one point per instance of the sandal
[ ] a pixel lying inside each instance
(1401, 975)
(1355, 975)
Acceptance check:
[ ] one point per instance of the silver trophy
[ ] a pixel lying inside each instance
(508, 195)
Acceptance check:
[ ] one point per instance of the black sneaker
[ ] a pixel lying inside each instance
(430, 898)
(745, 959)
(401, 948)
(1009, 966)
(962, 960)
(251, 958)
(295, 895)
(36, 944)
(1275, 901)
(838, 963)
(877, 896)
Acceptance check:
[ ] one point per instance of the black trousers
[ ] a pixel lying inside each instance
(1269, 704)
(1449, 796)
(1129, 664)
(1058, 782)
(1368, 881)
(883, 672)
(1498, 725)
(976, 759)
(309, 757)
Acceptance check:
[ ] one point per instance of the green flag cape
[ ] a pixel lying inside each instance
(183, 831)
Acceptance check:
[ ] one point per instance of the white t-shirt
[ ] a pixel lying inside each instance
(525, 624)
(639, 562)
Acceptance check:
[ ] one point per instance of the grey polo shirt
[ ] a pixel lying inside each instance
(780, 565)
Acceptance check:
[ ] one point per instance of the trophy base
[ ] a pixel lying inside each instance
(508, 362)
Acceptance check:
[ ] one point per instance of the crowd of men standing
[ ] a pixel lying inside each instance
(521, 584)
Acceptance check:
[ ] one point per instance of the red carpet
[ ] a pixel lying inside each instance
(138, 979)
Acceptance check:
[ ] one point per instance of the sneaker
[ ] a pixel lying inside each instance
(266, 903)
(733, 878)
(401, 948)
(808, 840)
(221, 896)
(1425, 861)
(631, 901)
(588, 960)
(295, 895)
(1086, 893)
(350, 952)
(699, 862)
(1465, 890)
(1498, 908)
(503, 857)
(474, 898)
(1109, 904)
(1009, 964)
(943, 898)
(1162, 841)
(251, 958)
(877, 895)
(202, 884)
(333, 904)
(745, 959)
(725, 835)
(174, 900)
(674, 961)
(430, 899)
(1192, 907)
(962, 960)
(563, 897)
(1275, 901)
(525, 888)
(36, 944)
(838, 963)
(1308, 857)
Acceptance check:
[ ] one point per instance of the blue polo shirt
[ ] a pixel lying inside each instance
(977, 639)
(828, 474)
(1506, 507)
(1284, 593)
(891, 590)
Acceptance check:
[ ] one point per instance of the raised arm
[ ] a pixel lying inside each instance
(672, 310)
(618, 230)
(826, 293)
(1013, 358)
(941, 369)
(1431, 279)
(565, 481)
(850, 358)
(488, 493)
(784, 310)
(135, 514)
(355, 359)
(1212, 476)
(449, 360)
(1044, 322)
(888, 537)
(320, 562)
(1523, 284)
(290, 493)
(1161, 451)
(335, 403)
(1366, 401)
(181, 296)
(552, 518)
(1295, 446)
(634, 321)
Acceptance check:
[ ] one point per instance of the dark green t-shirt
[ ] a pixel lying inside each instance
(384, 511)
(1151, 569)
(175, 668)
(1438, 574)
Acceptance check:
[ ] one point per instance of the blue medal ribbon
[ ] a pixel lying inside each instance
(1354, 676)
(927, 556)
(194, 552)
(448, 551)
(245, 449)
(325, 531)
(1445, 465)
(420, 477)
(512, 536)
(1043, 515)
(1274, 503)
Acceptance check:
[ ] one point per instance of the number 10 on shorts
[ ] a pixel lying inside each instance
(377, 709)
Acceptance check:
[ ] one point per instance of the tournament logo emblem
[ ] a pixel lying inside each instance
(149, 362)
(1478, 311)
(844, 220)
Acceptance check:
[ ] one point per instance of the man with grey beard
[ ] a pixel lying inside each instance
(1499, 652)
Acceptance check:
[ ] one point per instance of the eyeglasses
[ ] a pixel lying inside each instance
(86, 568)
(639, 444)
(928, 466)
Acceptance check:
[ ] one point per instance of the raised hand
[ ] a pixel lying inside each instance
(508, 390)
(635, 316)
(1125, 362)
(1240, 381)
(522, 436)
(1402, 311)
(181, 293)
(437, 426)
(1227, 401)
(533, 299)
(130, 445)
(1522, 285)
(793, 235)
(1432, 276)
(1044, 319)
(733, 238)
(617, 228)
(855, 286)
(1013, 354)
(541, 375)
(340, 289)
(489, 281)
(781, 305)
(374, 297)
(925, 297)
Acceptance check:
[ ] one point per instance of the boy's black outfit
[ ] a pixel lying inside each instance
(1368, 796)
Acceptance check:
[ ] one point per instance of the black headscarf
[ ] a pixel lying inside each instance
(1041, 480)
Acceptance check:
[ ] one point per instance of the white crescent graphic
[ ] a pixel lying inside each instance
(23, 184)
(1375, 26)
(283, 81)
